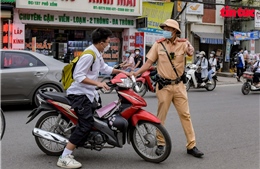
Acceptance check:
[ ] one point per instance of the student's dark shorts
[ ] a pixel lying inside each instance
(84, 109)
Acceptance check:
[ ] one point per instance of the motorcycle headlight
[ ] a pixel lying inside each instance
(126, 83)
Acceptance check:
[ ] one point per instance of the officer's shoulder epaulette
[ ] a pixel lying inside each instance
(160, 40)
(181, 40)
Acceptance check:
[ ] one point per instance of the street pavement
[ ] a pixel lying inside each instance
(223, 80)
(225, 121)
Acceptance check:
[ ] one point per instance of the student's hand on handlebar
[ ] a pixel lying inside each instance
(103, 85)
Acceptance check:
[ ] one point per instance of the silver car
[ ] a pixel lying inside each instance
(24, 73)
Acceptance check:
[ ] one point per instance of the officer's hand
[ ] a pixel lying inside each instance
(103, 85)
(132, 73)
(126, 73)
(190, 49)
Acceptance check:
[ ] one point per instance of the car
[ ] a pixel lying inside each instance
(24, 73)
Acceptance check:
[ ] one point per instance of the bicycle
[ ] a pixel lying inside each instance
(2, 124)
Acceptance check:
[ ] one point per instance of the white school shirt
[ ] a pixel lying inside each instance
(213, 62)
(82, 71)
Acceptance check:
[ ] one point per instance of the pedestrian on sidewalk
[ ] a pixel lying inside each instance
(241, 64)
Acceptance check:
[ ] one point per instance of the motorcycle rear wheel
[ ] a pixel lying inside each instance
(143, 89)
(47, 122)
(211, 87)
(148, 151)
(245, 88)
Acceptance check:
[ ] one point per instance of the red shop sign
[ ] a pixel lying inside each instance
(227, 12)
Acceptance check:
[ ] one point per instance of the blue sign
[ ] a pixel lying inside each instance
(151, 30)
(246, 35)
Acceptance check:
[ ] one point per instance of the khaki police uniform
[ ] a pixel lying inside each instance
(175, 93)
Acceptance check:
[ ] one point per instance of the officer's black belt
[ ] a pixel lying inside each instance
(172, 82)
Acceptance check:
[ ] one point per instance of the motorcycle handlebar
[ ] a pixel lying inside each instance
(108, 83)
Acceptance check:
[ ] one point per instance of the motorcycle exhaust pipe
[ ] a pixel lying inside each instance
(50, 136)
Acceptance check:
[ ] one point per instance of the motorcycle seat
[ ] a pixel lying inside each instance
(57, 96)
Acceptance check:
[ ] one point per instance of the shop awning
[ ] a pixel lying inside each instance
(8, 1)
(210, 38)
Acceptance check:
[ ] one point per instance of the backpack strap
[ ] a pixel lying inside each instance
(89, 51)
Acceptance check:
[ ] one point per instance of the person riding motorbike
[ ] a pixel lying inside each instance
(202, 71)
(197, 56)
(129, 63)
(256, 77)
(138, 59)
(82, 94)
(213, 63)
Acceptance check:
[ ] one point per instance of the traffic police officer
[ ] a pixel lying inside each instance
(174, 91)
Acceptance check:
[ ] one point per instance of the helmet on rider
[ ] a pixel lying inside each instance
(212, 53)
(202, 54)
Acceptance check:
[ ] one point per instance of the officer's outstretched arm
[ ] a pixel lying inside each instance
(145, 67)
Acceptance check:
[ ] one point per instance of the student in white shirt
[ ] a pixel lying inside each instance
(83, 95)
(213, 63)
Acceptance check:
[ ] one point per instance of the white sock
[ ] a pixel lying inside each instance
(66, 152)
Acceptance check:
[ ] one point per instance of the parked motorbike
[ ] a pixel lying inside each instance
(146, 81)
(248, 84)
(192, 80)
(119, 122)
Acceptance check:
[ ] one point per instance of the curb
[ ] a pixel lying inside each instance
(225, 74)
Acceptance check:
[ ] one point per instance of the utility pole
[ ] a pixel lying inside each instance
(183, 21)
(226, 35)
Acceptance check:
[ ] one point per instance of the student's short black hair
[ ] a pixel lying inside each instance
(100, 35)
(240, 48)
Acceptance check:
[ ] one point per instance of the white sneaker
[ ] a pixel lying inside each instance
(202, 84)
(209, 82)
(68, 162)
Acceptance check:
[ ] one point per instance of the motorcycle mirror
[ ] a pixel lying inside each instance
(137, 89)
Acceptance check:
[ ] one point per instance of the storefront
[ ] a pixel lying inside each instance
(62, 29)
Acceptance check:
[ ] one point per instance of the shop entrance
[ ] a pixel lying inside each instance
(66, 44)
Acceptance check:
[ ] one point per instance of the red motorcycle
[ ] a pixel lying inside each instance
(146, 82)
(119, 122)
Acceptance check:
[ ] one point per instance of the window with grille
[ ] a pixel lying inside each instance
(209, 4)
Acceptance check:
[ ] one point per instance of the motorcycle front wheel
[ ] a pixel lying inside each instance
(52, 123)
(187, 84)
(147, 148)
(245, 88)
(143, 89)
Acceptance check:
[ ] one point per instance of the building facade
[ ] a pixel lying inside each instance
(62, 29)
(6, 22)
